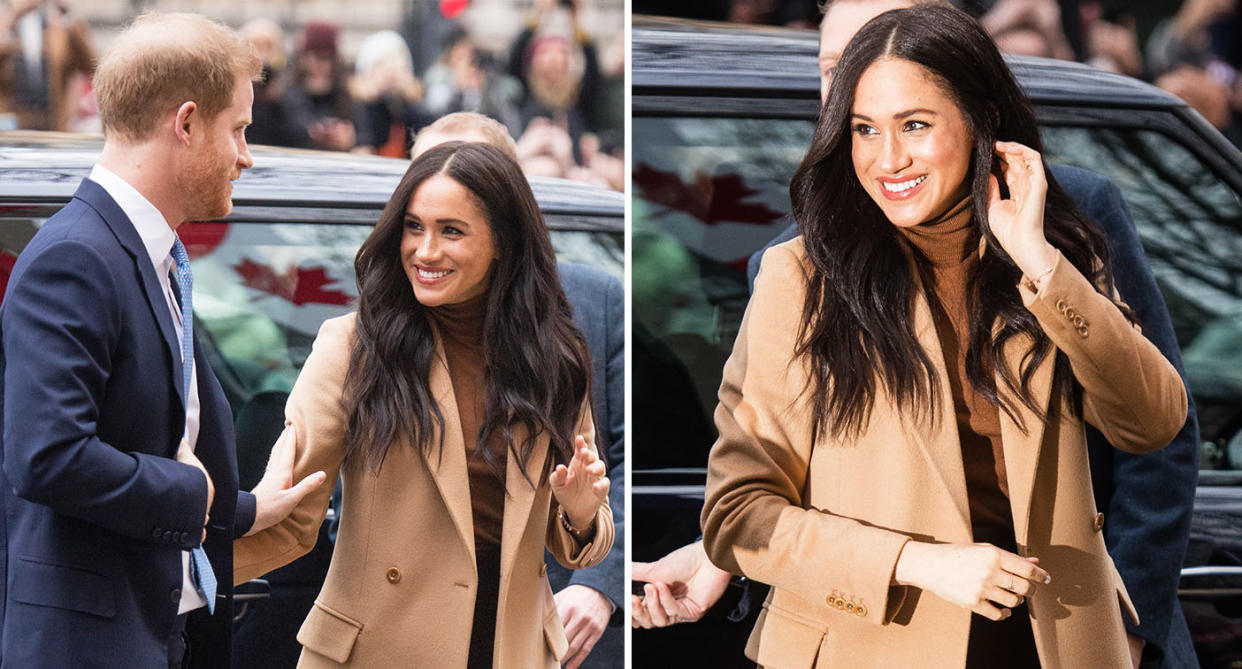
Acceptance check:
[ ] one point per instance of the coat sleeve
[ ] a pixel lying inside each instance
(1131, 392)
(315, 419)
(755, 521)
(567, 550)
(61, 326)
(1146, 534)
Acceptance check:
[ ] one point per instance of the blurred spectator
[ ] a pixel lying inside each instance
(322, 90)
(557, 63)
(1111, 40)
(46, 62)
(1028, 27)
(546, 150)
(389, 94)
(460, 81)
(1202, 32)
(274, 113)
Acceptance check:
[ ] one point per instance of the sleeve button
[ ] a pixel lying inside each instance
(393, 575)
(861, 611)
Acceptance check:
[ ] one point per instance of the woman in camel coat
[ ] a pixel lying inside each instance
(902, 452)
(410, 572)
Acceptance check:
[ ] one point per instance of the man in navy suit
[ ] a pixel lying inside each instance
(118, 452)
(1146, 534)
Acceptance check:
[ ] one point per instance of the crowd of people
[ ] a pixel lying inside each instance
(555, 88)
(1194, 52)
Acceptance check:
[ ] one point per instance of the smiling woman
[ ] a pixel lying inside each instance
(928, 502)
(454, 405)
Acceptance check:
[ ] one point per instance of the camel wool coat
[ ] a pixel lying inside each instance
(400, 591)
(824, 524)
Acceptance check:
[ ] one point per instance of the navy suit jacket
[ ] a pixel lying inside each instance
(97, 511)
(598, 302)
(1146, 531)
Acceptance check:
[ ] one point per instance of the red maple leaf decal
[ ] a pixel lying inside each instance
(298, 285)
(711, 198)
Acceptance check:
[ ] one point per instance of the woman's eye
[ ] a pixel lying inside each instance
(916, 125)
(450, 230)
(863, 129)
(413, 225)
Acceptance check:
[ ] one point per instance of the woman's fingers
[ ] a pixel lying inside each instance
(1005, 598)
(638, 613)
(991, 611)
(651, 601)
(1024, 568)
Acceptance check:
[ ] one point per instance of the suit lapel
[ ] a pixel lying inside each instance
(448, 463)
(937, 435)
(123, 229)
(1022, 448)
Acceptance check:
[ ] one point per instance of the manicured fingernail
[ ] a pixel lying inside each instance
(1047, 579)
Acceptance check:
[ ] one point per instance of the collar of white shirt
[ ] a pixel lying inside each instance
(151, 225)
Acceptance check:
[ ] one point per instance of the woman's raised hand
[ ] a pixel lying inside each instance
(1018, 223)
(980, 577)
(581, 487)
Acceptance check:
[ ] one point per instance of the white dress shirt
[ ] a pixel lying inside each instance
(157, 238)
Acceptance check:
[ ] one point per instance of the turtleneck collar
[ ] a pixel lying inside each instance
(462, 322)
(948, 239)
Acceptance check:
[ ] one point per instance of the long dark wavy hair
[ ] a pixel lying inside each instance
(857, 322)
(536, 366)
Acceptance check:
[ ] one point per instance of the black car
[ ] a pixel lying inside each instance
(721, 118)
(265, 278)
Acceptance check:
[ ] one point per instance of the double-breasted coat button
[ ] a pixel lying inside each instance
(174, 595)
(1099, 522)
(393, 575)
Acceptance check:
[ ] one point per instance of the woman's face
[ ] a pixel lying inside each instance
(446, 248)
(911, 145)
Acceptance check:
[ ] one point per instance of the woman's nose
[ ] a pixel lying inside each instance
(429, 248)
(894, 156)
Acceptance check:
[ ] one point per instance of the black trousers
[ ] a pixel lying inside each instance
(483, 630)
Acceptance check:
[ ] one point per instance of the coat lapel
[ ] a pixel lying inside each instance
(519, 502)
(123, 229)
(448, 463)
(1022, 448)
(936, 435)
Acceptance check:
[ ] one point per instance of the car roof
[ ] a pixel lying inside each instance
(723, 69)
(708, 55)
(285, 184)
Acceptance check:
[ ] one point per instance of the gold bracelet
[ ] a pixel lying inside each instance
(578, 534)
(1031, 283)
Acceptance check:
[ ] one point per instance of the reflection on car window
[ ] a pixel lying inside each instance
(707, 194)
(1190, 223)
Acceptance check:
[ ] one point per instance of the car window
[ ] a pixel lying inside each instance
(1190, 223)
(708, 192)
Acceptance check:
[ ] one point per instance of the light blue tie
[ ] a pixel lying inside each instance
(200, 569)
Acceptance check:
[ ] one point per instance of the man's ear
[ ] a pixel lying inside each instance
(187, 117)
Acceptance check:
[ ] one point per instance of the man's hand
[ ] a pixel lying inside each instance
(682, 586)
(275, 495)
(584, 612)
(185, 455)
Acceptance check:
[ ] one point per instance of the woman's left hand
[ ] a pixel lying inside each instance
(1018, 223)
(581, 487)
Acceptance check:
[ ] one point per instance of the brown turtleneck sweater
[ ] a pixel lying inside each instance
(461, 329)
(950, 245)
